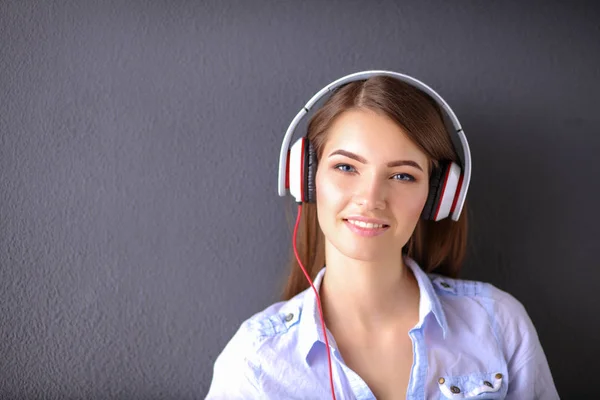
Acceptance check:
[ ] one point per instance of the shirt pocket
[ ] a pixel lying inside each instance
(479, 385)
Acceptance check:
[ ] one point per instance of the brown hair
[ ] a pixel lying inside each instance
(436, 246)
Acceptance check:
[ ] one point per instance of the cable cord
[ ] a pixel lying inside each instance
(318, 300)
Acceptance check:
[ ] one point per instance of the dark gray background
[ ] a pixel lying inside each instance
(140, 223)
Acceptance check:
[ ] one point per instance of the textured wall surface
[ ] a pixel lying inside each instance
(139, 221)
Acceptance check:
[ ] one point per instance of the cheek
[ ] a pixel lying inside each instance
(412, 204)
(420, 200)
(330, 196)
(326, 188)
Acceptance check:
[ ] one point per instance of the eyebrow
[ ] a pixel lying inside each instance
(362, 160)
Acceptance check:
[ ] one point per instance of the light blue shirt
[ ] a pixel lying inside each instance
(472, 341)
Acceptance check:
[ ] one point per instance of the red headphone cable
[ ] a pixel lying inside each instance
(318, 299)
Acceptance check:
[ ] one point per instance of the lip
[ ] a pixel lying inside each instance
(367, 220)
(366, 232)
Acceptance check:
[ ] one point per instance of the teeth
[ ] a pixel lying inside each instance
(367, 225)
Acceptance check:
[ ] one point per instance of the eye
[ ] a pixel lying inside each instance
(404, 177)
(345, 168)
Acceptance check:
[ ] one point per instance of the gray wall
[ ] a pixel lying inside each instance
(139, 141)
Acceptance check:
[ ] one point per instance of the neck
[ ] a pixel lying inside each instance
(368, 296)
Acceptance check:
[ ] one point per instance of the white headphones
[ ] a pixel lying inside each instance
(448, 184)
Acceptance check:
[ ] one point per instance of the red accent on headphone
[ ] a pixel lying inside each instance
(456, 196)
(302, 170)
(287, 170)
(439, 199)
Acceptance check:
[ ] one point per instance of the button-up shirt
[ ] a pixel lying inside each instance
(472, 340)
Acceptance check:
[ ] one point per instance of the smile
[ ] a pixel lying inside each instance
(366, 225)
(365, 229)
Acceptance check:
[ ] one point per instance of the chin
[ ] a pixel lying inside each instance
(367, 252)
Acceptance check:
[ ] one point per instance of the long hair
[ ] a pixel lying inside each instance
(438, 247)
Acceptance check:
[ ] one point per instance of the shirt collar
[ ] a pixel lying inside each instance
(429, 301)
(310, 329)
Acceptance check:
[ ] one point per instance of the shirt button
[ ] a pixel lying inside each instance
(441, 381)
(454, 389)
(498, 376)
(289, 317)
(444, 284)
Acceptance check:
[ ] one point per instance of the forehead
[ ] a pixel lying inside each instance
(371, 135)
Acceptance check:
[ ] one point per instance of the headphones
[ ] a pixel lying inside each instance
(448, 184)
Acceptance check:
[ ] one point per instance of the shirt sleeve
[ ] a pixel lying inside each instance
(235, 376)
(528, 370)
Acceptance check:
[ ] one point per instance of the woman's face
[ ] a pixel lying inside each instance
(372, 183)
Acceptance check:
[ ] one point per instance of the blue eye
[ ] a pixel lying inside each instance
(345, 168)
(404, 177)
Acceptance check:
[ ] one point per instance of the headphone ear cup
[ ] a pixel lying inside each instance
(435, 187)
(443, 189)
(310, 172)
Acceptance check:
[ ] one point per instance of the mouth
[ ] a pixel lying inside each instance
(365, 225)
(366, 229)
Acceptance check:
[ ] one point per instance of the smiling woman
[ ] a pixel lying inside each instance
(378, 176)
(369, 191)
(405, 114)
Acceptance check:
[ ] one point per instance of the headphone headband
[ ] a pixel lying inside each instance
(466, 168)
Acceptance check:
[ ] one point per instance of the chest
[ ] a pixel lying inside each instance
(383, 363)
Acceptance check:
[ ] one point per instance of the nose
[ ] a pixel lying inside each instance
(371, 193)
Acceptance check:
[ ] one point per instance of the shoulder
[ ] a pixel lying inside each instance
(254, 345)
(505, 337)
(507, 316)
(273, 321)
(265, 327)
(502, 303)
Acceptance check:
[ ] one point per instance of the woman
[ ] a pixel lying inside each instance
(399, 323)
